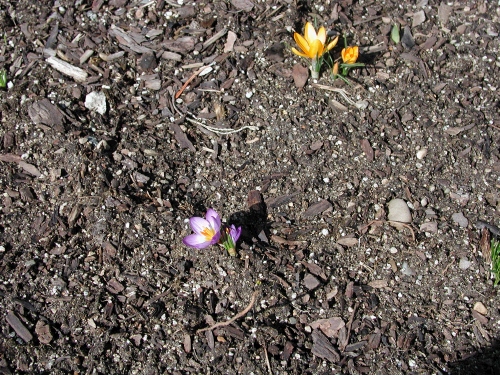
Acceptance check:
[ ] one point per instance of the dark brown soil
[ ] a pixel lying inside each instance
(95, 201)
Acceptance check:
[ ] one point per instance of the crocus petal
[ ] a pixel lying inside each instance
(198, 224)
(301, 42)
(294, 50)
(322, 34)
(309, 33)
(197, 241)
(316, 49)
(235, 233)
(333, 43)
(214, 219)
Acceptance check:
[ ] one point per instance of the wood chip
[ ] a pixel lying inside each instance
(19, 327)
(457, 130)
(418, 18)
(310, 282)
(317, 208)
(444, 12)
(315, 269)
(378, 283)
(479, 317)
(367, 149)
(30, 168)
(181, 137)
(348, 241)
(184, 44)
(187, 343)
(231, 38)
(330, 327)
(374, 340)
(245, 5)
(65, 68)
(355, 346)
(114, 286)
(127, 40)
(42, 330)
(44, 112)
(322, 347)
(429, 227)
(287, 351)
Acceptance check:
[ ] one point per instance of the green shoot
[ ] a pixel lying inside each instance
(3, 78)
(495, 260)
(395, 33)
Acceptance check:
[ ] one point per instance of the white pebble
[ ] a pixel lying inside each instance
(324, 232)
(421, 153)
(464, 263)
(399, 211)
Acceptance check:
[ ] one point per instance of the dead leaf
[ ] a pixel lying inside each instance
(300, 74)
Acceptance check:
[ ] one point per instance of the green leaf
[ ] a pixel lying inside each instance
(3, 78)
(395, 33)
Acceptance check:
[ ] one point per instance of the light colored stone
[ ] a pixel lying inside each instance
(399, 211)
(480, 308)
(460, 219)
(464, 263)
(96, 101)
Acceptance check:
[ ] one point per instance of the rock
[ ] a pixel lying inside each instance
(464, 263)
(460, 219)
(96, 101)
(480, 308)
(399, 211)
(406, 270)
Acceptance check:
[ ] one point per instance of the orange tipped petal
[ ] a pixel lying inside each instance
(322, 35)
(333, 43)
(298, 53)
(310, 33)
(301, 42)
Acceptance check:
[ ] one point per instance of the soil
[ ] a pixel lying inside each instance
(105, 156)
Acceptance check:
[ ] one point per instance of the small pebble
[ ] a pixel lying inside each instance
(406, 270)
(460, 219)
(464, 263)
(96, 101)
(480, 308)
(421, 153)
(399, 211)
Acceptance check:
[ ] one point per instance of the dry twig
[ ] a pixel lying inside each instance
(234, 318)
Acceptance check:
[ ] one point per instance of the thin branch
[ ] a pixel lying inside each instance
(236, 317)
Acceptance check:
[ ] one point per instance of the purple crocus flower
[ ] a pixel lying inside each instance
(230, 239)
(234, 233)
(206, 231)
